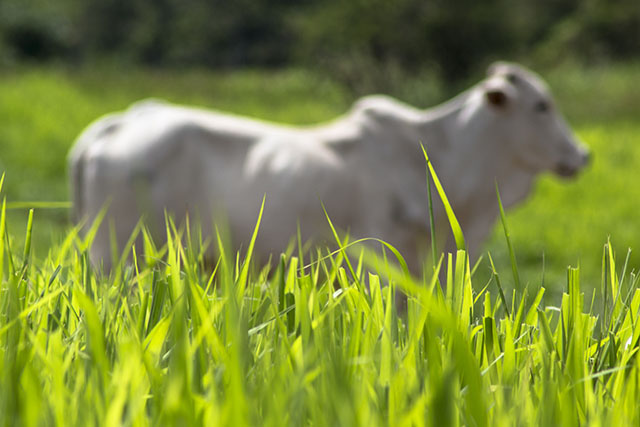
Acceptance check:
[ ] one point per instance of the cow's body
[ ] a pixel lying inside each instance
(366, 167)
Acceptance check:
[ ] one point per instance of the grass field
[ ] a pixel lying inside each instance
(174, 343)
(566, 222)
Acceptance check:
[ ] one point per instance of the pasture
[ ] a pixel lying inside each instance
(177, 343)
(564, 222)
(169, 341)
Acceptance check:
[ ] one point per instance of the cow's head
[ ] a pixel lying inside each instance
(530, 125)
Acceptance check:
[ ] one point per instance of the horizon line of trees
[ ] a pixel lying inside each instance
(345, 38)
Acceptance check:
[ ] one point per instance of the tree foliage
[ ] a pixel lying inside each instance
(349, 39)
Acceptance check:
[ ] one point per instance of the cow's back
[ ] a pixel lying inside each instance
(156, 157)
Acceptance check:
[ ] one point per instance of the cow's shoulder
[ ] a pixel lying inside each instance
(386, 111)
(383, 105)
(148, 105)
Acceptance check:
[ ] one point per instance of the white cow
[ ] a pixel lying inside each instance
(366, 167)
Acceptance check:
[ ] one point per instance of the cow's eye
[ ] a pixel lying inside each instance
(541, 107)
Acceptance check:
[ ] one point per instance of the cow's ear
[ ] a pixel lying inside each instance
(496, 97)
(495, 68)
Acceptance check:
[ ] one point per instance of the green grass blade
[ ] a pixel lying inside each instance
(341, 248)
(432, 223)
(38, 205)
(27, 239)
(241, 283)
(453, 221)
(3, 225)
(499, 285)
(530, 319)
(512, 254)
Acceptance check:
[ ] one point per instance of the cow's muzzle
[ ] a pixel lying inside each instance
(570, 169)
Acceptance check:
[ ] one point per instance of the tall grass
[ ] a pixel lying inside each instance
(167, 340)
(317, 338)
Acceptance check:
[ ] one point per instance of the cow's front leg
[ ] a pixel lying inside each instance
(476, 231)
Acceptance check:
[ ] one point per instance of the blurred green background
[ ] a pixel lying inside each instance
(366, 45)
(65, 63)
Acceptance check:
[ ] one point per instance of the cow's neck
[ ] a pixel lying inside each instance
(437, 124)
(470, 160)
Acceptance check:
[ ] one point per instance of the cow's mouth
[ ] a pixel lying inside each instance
(566, 171)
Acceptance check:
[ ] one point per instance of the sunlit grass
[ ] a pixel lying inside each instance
(168, 340)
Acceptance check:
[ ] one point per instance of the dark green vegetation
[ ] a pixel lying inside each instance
(366, 45)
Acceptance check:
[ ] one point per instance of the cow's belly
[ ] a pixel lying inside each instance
(292, 200)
